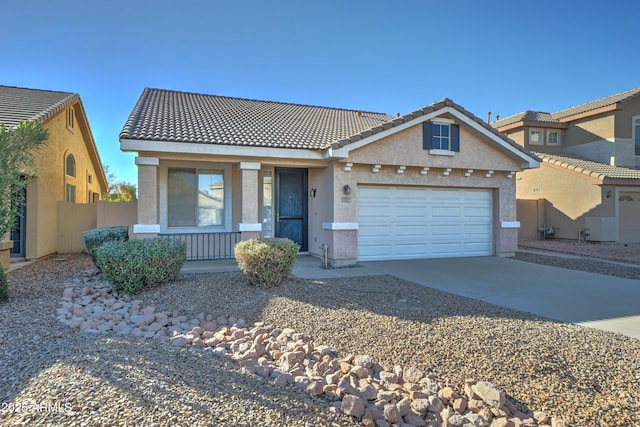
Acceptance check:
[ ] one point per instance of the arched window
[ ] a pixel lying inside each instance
(70, 166)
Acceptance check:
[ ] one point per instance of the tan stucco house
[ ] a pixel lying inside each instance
(68, 167)
(588, 185)
(437, 182)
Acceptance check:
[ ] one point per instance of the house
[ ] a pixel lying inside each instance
(588, 185)
(68, 167)
(356, 185)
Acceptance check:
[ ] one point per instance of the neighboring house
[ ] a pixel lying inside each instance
(588, 184)
(68, 167)
(437, 182)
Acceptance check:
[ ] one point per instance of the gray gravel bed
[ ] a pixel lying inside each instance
(592, 266)
(588, 377)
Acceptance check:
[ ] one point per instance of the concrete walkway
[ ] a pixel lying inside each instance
(594, 300)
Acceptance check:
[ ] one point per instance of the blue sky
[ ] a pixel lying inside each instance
(373, 55)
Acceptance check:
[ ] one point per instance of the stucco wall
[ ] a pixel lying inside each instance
(45, 191)
(569, 197)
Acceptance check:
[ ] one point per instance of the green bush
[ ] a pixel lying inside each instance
(266, 263)
(134, 265)
(96, 237)
(4, 286)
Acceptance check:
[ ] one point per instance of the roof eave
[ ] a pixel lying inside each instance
(174, 147)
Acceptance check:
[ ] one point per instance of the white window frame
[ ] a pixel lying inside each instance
(442, 151)
(635, 134)
(164, 196)
(540, 132)
(549, 133)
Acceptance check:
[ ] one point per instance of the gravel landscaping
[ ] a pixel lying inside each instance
(55, 375)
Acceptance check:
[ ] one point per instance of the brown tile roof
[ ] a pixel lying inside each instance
(426, 110)
(541, 117)
(525, 116)
(21, 104)
(598, 103)
(166, 115)
(588, 167)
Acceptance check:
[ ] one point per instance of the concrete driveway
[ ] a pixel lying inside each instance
(602, 302)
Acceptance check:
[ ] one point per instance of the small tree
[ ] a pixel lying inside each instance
(18, 147)
(118, 191)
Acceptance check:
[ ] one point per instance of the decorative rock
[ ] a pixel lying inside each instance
(353, 405)
(502, 422)
(420, 406)
(363, 360)
(489, 393)
(412, 375)
(414, 420)
(391, 413)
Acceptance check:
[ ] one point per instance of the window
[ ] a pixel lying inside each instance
(71, 119)
(636, 137)
(553, 137)
(441, 136)
(535, 137)
(195, 198)
(70, 193)
(90, 178)
(89, 196)
(70, 166)
(267, 204)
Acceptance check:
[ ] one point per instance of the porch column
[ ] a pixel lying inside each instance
(250, 226)
(148, 218)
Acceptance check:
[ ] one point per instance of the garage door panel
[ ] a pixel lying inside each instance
(409, 212)
(412, 231)
(436, 223)
(477, 211)
(446, 211)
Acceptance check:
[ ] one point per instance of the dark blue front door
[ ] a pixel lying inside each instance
(291, 206)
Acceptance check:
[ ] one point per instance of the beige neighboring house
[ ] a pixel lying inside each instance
(358, 186)
(68, 167)
(588, 184)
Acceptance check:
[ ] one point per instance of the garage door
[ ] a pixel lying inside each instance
(408, 223)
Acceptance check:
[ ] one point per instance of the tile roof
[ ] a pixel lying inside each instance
(166, 115)
(529, 115)
(591, 168)
(21, 104)
(598, 103)
(539, 116)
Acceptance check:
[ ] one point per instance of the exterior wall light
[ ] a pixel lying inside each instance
(346, 190)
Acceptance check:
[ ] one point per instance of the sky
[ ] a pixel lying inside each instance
(385, 56)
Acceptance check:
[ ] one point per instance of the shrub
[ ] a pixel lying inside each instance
(4, 286)
(266, 263)
(96, 237)
(134, 265)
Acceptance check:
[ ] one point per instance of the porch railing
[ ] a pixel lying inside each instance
(207, 246)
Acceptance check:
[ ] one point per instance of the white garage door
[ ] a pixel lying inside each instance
(408, 223)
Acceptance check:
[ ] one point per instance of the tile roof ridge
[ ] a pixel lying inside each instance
(294, 104)
(50, 111)
(135, 113)
(585, 105)
(35, 89)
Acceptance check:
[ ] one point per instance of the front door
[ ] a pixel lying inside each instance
(291, 205)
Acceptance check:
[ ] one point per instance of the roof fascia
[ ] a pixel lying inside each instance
(605, 109)
(141, 146)
(91, 145)
(592, 177)
(527, 161)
